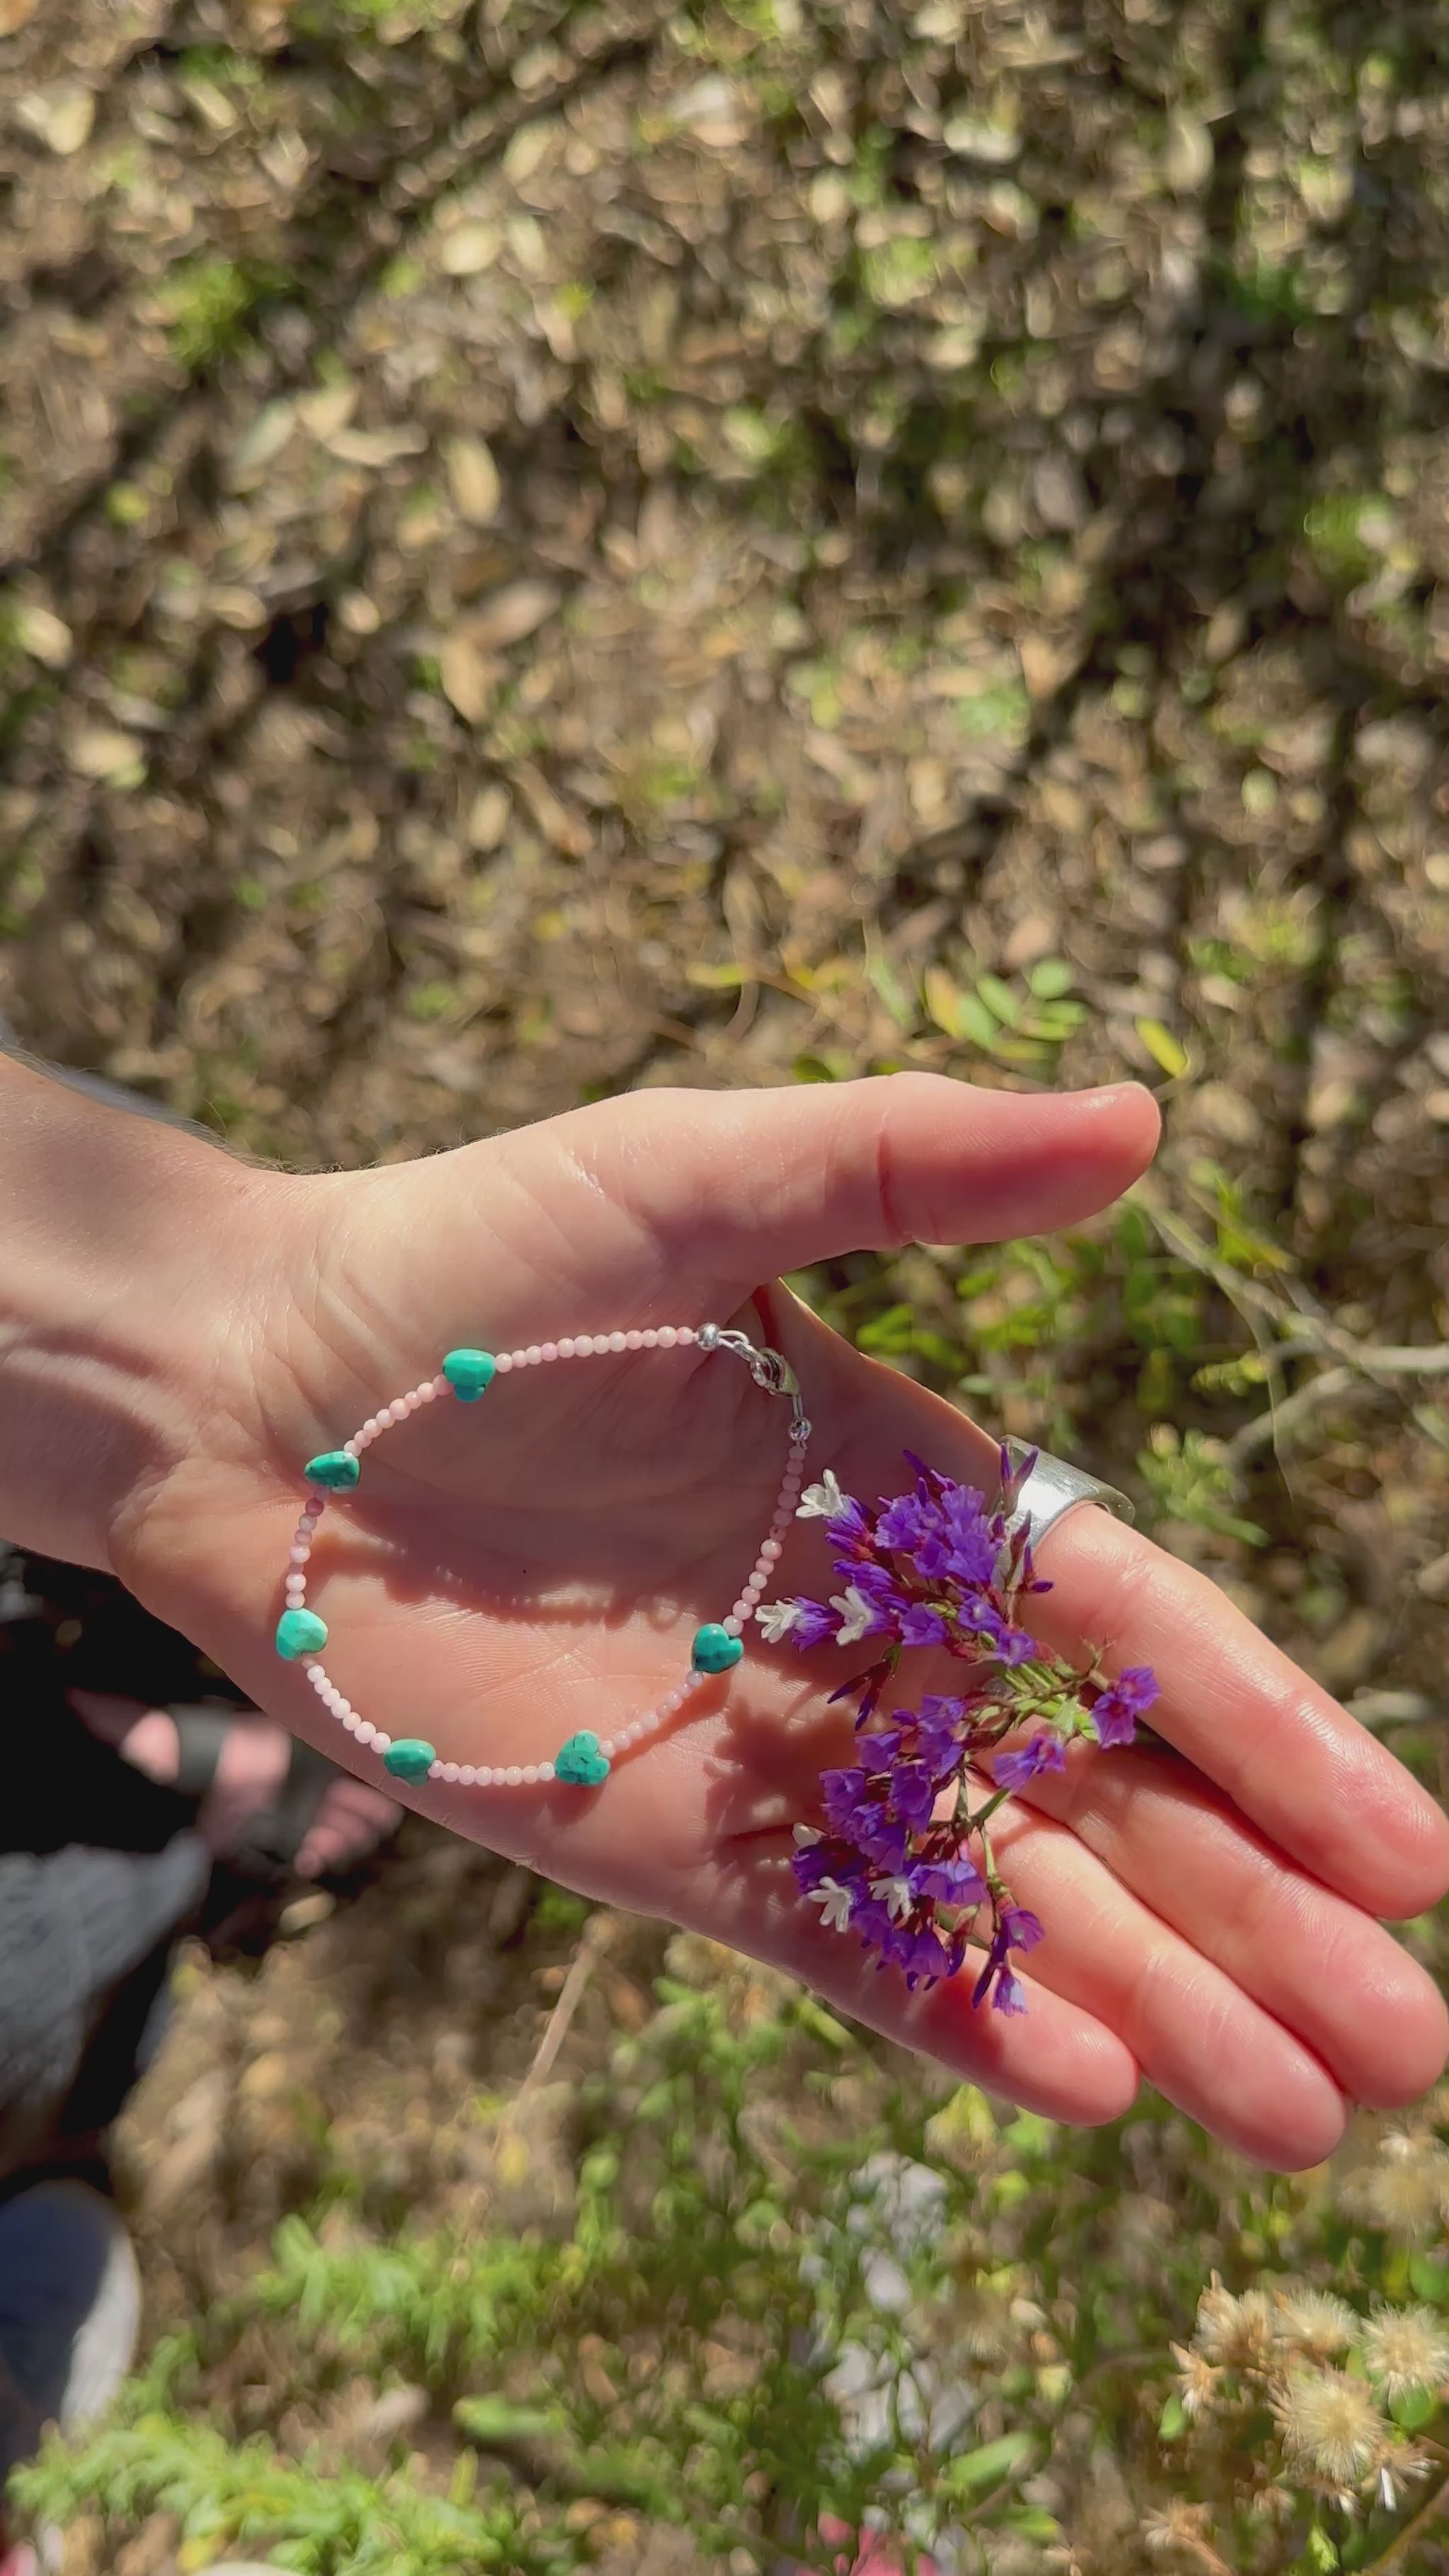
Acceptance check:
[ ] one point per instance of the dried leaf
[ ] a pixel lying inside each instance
(943, 1000)
(101, 751)
(327, 410)
(488, 818)
(375, 446)
(60, 117)
(264, 437)
(566, 830)
(513, 613)
(41, 634)
(469, 678)
(469, 249)
(1187, 163)
(473, 480)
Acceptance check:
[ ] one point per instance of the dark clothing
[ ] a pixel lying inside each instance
(99, 1870)
(85, 1938)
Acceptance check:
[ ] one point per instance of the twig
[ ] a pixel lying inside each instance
(1285, 1417)
(1310, 1332)
(597, 1934)
(1307, 1334)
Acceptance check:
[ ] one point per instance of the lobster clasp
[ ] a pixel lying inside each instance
(768, 1368)
(773, 1372)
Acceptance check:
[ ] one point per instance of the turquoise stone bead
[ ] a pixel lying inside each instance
(715, 1650)
(469, 1372)
(334, 1469)
(580, 1761)
(408, 1757)
(300, 1632)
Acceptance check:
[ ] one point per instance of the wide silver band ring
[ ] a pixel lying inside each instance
(1053, 1489)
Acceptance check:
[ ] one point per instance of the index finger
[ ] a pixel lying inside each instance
(1289, 1757)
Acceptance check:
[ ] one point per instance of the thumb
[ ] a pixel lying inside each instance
(737, 1186)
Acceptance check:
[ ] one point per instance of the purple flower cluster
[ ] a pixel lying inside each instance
(904, 1858)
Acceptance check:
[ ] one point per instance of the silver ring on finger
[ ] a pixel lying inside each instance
(1053, 1489)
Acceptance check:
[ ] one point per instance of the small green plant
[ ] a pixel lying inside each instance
(1189, 1480)
(207, 303)
(1020, 1021)
(1333, 528)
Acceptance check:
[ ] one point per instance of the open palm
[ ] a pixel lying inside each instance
(510, 1571)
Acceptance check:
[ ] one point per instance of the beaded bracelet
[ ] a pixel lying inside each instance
(585, 1759)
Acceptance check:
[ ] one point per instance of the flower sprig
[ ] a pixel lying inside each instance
(904, 1858)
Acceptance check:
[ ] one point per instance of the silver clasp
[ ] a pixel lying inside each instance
(769, 1369)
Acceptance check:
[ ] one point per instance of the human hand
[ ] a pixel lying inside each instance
(511, 1571)
(508, 1572)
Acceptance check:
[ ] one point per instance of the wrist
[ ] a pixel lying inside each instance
(121, 1244)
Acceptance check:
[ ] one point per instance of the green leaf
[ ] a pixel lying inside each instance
(889, 989)
(1033, 2522)
(980, 2470)
(1001, 1002)
(1413, 2408)
(1172, 2422)
(1031, 2135)
(1055, 1021)
(1050, 978)
(976, 1022)
(497, 2419)
(1429, 2278)
(814, 2018)
(892, 1333)
(1163, 1047)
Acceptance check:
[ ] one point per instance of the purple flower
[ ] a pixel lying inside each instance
(814, 1862)
(841, 1794)
(923, 1955)
(995, 1962)
(1014, 1770)
(938, 1708)
(1013, 1478)
(921, 1625)
(971, 1548)
(939, 1735)
(902, 1524)
(871, 1919)
(882, 1839)
(815, 1626)
(850, 1528)
(1116, 1711)
(979, 1617)
(948, 1882)
(885, 1744)
(938, 1568)
(912, 1794)
(1015, 1646)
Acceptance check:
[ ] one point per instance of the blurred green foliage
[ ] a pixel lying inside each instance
(801, 2290)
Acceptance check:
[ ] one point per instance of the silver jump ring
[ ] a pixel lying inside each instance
(1053, 1489)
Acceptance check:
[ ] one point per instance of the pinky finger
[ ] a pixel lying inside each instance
(1055, 2058)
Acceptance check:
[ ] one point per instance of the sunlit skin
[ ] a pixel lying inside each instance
(514, 1569)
